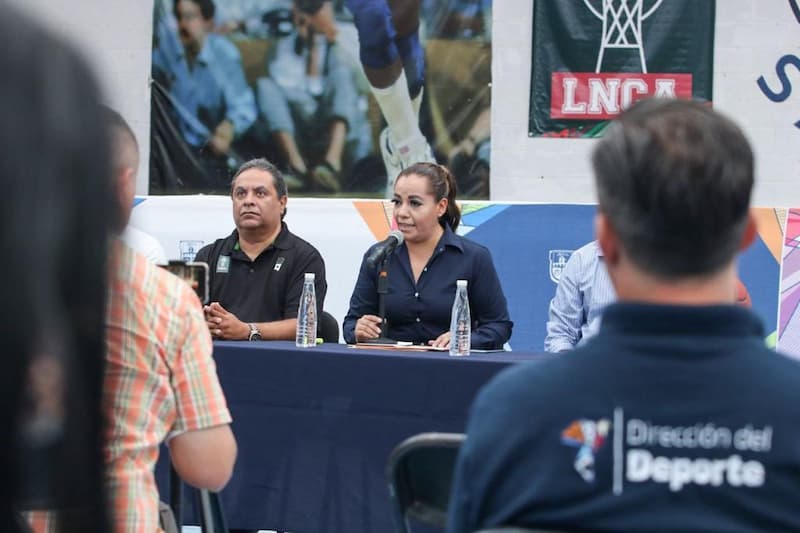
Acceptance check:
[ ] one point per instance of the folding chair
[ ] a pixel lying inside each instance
(212, 518)
(419, 473)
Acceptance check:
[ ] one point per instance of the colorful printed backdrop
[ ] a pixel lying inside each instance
(520, 237)
(789, 318)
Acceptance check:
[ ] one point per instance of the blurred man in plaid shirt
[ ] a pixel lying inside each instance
(160, 379)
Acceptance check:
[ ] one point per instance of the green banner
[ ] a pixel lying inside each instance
(594, 58)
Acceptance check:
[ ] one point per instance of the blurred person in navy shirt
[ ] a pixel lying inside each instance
(675, 416)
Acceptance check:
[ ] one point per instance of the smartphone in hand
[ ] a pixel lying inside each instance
(195, 274)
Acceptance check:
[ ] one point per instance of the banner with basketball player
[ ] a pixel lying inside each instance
(594, 58)
(340, 95)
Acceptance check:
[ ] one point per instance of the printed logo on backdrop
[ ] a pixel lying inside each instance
(781, 91)
(558, 260)
(693, 452)
(594, 58)
(189, 249)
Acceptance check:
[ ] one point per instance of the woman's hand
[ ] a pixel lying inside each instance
(442, 341)
(368, 327)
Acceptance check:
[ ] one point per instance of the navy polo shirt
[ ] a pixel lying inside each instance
(267, 288)
(671, 419)
(420, 311)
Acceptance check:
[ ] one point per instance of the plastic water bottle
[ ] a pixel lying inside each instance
(307, 315)
(460, 322)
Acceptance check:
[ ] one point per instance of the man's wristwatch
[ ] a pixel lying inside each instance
(255, 335)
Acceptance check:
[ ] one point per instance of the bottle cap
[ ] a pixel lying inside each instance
(461, 283)
(309, 276)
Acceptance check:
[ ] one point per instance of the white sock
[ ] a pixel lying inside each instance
(416, 102)
(397, 109)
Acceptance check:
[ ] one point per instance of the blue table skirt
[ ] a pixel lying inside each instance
(315, 427)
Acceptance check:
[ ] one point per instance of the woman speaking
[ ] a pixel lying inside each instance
(423, 270)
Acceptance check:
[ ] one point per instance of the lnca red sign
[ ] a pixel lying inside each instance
(592, 59)
(603, 95)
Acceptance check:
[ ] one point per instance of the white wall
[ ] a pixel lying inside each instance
(750, 37)
(116, 38)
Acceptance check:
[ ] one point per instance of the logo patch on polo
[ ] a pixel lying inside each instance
(223, 264)
(675, 453)
(588, 436)
(278, 264)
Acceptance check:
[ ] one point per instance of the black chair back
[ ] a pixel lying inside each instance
(328, 328)
(512, 529)
(419, 473)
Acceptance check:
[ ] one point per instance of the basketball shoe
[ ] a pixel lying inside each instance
(396, 157)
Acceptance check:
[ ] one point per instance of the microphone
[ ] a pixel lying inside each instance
(384, 248)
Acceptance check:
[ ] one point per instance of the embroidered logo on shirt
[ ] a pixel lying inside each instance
(278, 264)
(223, 264)
(588, 436)
(558, 260)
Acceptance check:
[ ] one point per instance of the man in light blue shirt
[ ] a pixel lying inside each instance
(584, 290)
(206, 83)
(312, 107)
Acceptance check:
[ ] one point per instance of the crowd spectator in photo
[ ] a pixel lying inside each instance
(457, 19)
(470, 158)
(246, 17)
(312, 107)
(211, 102)
(460, 90)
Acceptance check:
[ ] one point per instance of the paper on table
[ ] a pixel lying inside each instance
(404, 346)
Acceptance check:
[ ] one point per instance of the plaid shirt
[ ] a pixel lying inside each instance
(160, 380)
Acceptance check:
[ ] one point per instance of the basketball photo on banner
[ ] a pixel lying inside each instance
(594, 58)
(340, 94)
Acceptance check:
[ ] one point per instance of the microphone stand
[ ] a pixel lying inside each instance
(383, 289)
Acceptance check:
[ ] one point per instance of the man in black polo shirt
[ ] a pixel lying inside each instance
(256, 273)
(675, 416)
